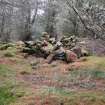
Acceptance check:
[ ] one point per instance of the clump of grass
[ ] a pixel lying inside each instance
(9, 54)
(20, 94)
(24, 73)
(35, 65)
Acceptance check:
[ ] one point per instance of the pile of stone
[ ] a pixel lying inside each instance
(42, 47)
(66, 49)
(69, 42)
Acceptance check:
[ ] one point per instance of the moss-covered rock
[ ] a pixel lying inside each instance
(6, 46)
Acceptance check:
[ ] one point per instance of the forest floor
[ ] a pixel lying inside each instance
(31, 81)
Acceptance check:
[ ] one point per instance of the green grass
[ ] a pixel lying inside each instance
(6, 96)
(10, 88)
(7, 80)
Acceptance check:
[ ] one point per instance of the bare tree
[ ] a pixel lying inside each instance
(20, 19)
(6, 12)
(50, 13)
(94, 28)
(28, 13)
(18, 16)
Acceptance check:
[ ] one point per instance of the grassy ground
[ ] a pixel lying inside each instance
(79, 83)
(5, 85)
(6, 96)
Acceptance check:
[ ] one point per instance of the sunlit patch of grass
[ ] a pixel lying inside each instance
(93, 62)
